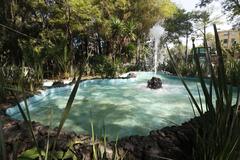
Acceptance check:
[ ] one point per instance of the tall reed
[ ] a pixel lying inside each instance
(2, 144)
(217, 137)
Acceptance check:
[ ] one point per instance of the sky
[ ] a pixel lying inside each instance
(216, 10)
(186, 4)
(189, 5)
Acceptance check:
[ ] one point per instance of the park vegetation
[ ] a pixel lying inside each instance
(53, 39)
(74, 38)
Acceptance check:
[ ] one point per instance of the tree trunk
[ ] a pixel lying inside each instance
(69, 43)
(99, 45)
(138, 52)
(186, 50)
(208, 57)
(86, 46)
(110, 49)
(204, 37)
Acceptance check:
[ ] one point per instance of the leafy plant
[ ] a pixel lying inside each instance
(32, 154)
(233, 71)
(103, 66)
(217, 136)
(27, 118)
(100, 147)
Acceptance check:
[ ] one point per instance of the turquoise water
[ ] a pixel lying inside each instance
(126, 106)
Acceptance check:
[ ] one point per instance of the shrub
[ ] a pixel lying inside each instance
(217, 136)
(233, 71)
(102, 65)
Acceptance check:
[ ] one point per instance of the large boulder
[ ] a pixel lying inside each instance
(154, 83)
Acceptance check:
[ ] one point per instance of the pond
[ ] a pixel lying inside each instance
(123, 107)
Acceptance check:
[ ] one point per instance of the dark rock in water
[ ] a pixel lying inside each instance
(155, 83)
(129, 75)
(73, 81)
(132, 75)
(58, 84)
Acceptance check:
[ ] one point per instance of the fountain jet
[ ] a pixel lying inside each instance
(155, 35)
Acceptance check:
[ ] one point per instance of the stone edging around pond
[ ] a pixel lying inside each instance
(175, 142)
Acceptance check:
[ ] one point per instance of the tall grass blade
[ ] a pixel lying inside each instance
(104, 140)
(116, 157)
(95, 155)
(67, 109)
(218, 137)
(200, 98)
(211, 90)
(232, 149)
(192, 106)
(221, 76)
(70, 102)
(2, 143)
(202, 82)
(48, 136)
(238, 96)
(26, 105)
(184, 83)
(28, 122)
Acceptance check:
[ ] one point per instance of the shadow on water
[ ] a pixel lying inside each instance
(112, 116)
(119, 119)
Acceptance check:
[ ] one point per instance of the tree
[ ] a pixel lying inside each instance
(230, 6)
(202, 20)
(63, 33)
(145, 14)
(180, 25)
(211, 41)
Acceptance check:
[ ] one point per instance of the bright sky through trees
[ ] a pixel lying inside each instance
(186, 4)
(190, 5)
(215, 8)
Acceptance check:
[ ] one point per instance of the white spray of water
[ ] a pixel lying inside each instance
(156, 32)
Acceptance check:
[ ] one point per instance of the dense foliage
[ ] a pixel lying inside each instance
(230, 6)
(218, 127)
(54, 37)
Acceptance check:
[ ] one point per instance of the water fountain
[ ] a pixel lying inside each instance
(155, 35)
(156, 43)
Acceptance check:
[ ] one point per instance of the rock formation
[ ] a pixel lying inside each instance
(155, 83)
(132, 75)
